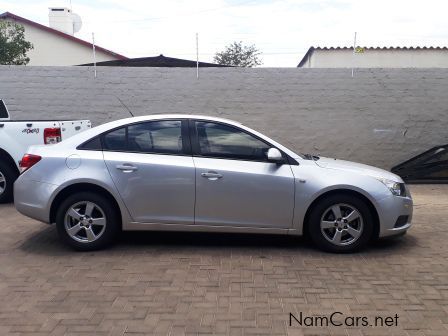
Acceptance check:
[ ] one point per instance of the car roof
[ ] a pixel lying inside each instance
(175, 116)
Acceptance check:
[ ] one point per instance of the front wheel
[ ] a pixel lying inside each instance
(87, 221)
(341, 223)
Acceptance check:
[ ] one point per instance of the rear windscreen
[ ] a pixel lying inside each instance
(3, 111)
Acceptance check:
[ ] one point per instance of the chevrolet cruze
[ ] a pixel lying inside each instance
(196, 173)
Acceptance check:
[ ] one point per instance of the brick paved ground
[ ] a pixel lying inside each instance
(222, 284)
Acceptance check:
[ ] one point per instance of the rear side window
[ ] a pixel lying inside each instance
(160, 137)
(115, 140)
(156, 137)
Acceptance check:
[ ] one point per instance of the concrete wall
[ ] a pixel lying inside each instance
(378, 58)
(51, 49)
(379, 117)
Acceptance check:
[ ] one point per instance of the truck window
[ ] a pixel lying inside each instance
(3, 111)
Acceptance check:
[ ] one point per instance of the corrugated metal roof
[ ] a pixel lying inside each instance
(311, 50)
(382, 48)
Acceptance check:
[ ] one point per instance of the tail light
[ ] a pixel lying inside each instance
(28, 161)
(52, 135)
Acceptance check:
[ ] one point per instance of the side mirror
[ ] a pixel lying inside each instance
(274, 155)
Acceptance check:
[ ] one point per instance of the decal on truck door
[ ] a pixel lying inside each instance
(31, 130)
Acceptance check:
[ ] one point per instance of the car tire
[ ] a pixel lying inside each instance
(8, 175)
(87, 221)
(346, 230)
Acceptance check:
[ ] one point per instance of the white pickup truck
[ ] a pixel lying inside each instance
(17, 136)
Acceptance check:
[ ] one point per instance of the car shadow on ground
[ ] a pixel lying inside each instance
(47, 242)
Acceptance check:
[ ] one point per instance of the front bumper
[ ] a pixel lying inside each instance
(32, 198)
(395, 214)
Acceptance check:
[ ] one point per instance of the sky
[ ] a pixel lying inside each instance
(282, 30)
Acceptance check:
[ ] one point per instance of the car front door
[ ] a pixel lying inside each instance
(152, 168)
(235, 184)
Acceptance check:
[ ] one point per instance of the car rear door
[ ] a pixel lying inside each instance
(235, 184)
(152, 168)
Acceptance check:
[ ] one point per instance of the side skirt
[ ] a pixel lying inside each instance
(134, 226)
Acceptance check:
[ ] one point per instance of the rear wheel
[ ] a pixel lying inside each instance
(8, 175)
(87, 221)
(341, 223)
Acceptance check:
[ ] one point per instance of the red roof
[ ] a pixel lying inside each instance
(8, 15)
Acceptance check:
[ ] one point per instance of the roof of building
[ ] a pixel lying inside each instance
(8, 15)
(311, 50)
(156, 61)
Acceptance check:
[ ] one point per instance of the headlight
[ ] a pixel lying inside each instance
(396, 188)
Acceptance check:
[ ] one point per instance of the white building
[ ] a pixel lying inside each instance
(367, 57)
(57, 45)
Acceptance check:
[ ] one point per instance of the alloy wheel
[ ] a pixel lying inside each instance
(85, 222)
(341, 224)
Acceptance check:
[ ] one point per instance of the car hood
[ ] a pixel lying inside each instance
(358, 168)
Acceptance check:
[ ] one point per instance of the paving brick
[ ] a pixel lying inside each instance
(199, 284)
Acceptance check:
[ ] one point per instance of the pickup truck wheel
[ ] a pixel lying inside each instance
(7, 177)
(87, 221)
(341, 223)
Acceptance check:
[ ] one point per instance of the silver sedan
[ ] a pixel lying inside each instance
(196, 173)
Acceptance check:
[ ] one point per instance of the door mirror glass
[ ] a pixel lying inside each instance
(274, 155)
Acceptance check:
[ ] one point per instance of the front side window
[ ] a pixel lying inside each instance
(224, 141)
(164, 137)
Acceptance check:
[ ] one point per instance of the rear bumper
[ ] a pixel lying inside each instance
(395, 215)
(32, 198)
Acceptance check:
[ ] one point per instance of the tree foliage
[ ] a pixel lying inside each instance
(237, 54)
(13, 46)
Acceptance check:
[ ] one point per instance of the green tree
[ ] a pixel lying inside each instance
(13, 46)
(237, 54)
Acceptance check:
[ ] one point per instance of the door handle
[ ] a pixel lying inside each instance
(126, 168)
(212, 176)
